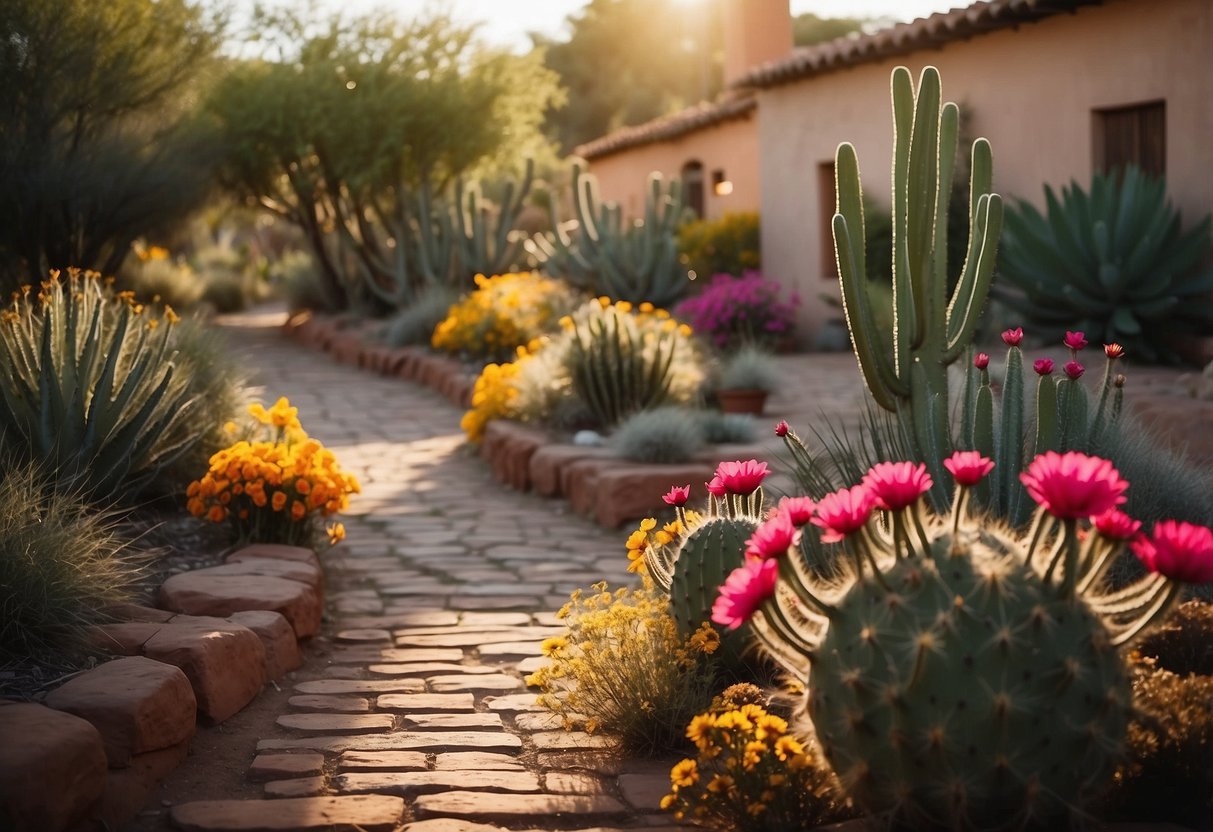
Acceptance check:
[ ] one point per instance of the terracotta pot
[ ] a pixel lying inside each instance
(742, 401)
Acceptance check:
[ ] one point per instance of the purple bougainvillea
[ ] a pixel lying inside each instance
(735, 310)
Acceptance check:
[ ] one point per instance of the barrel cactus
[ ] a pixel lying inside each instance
(963, 676)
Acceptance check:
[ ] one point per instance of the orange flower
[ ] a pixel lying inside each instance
(298, 510)
(216, 514)
(279, 501)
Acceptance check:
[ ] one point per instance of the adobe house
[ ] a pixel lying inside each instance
(1062, 88)
(713, 146)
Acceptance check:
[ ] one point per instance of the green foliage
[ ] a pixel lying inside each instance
(162, 280)
(97, 142)
(619, 363)
(92, 392)
(1170, 777)
(749, 368)
(663, 435)
(415, 323)
(729, 245)
(60, 567)
(443, 106)
(1112, 262)
(631, 261)
(808, 29)
(727, 428)
(297, 276)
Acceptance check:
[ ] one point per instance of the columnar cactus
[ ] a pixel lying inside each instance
(930, 329)
(962, 676)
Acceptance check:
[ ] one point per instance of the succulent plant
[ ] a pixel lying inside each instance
(1113, 262)
(722, 428)
(963, 676)
(664, 435)
(749, 368)
(634, 262)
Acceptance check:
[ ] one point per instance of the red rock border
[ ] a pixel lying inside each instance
(88, 757)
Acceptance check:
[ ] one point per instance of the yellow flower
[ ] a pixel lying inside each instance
(699, 730)
(720, 783)
(787, 746)
(553, 645)
(684, 774)
(336, 533)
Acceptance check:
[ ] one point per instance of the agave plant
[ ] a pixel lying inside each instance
(1113, 262)
(88, 388)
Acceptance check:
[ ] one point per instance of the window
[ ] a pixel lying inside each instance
(825, 209)
(1134, 135)
(692, 187)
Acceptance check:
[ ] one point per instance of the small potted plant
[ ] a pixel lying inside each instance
(746, 378)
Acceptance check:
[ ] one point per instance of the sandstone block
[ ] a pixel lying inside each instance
(224, 662)
(277, 637)
(634, 491)
(370, 813)
(211, 592)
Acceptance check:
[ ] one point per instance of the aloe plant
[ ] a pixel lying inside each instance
(1113, 262)
(89, 388)
(634, 262)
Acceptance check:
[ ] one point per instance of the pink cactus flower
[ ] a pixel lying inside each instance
(896, 485)
(1114, 524)
(1043, 366)
(781, 428)
(716, 487)
(1075, 340)
(773, 537)
(981, 360)
(1074, 485)
(1179, 551)
(968, 467)
(844, 512)
(677, 495)
(799, 509)
(742, 477)
(744, 591)
(1113, 351)
(1074, 370)
(1012, 337)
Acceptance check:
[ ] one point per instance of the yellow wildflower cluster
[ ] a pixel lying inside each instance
(495, 393)
(274, 490)
(624, 669)
(504, 312)
(750, 774)
(646, 316)
(648, 535)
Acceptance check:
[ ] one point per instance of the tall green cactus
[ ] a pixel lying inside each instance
(636, 262)
(930, 329)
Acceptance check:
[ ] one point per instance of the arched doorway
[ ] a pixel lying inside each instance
(692, 186)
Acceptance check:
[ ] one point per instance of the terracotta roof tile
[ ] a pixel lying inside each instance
(706, 114)
(924, 33)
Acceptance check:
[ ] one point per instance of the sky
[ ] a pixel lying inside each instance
(506, 22)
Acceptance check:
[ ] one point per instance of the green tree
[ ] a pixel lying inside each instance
(97, 141)
(347, 128)
(809, 29)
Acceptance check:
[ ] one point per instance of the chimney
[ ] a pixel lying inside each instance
(755, 32)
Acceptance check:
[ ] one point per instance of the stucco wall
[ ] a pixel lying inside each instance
(731, 146)
(1030, 90)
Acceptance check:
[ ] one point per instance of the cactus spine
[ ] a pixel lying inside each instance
(930, 330)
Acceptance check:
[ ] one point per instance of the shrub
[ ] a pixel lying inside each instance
(1170, 776)
(503, 313)
(276, 489)
(664, 435)
(624, 670)
(1112, 262)
(60, 567)
(731, 311)
(750, 368)
(415, 323)
(729, 245)
(156, 278)
(724, 428)
(95, 393)
(298, 278)
(751, 774)
(1181, 643)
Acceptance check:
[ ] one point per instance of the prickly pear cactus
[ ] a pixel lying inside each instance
(960, 692)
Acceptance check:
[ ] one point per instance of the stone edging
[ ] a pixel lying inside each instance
(89, 756)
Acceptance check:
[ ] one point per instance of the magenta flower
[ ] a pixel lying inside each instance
(773, 537)
(1043, 366)
(1075, 340)
(781, 428)
(844, 512)
(968, 467)
(1074, 370)
(677, 495)
(896, 485)
(799, 509)
(981, 360)
(1180, 551)
(744, 591)
(1074, 485)
(1114, 524)
(1113, 351)
(716, 487)
(741, 477)
(1012, 337)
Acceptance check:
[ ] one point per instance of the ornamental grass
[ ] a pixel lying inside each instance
(623, 670)
(277, 488)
